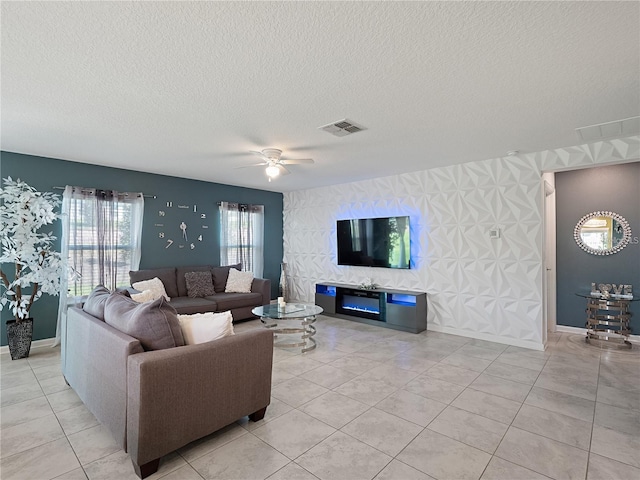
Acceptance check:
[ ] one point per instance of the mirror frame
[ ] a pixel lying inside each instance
(626, 238)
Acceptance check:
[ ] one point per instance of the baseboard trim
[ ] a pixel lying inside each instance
(567, 329)
(489, 338)
(583, 331)
(42, 343)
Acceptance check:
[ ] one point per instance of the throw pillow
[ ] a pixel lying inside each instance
(205, 327)
(155, 324)
(199, 284)
(239, 282)
(166, 275)
(220, 275)
(142, 297)
(155, 285)
(94, 304)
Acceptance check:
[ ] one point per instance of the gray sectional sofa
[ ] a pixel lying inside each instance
(175, 285)
(153, 396)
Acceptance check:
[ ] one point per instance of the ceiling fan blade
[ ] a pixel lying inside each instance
(261, 164)
(283, 169)
(297, 161)
(260, 154)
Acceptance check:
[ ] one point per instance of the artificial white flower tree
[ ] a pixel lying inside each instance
(23, 211)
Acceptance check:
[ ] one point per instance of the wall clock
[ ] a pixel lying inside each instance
(179, 225)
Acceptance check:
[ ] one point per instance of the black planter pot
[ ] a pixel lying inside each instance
(19, 336)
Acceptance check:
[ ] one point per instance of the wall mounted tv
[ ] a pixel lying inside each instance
(374, 242)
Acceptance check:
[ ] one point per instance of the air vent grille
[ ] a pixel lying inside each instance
(342, 128)
(627, 126)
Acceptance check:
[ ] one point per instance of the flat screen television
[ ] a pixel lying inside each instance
(374, 242)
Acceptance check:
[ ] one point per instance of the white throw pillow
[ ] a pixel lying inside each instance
(239, 282)
(205, 327)
(145, 296)
(155, 285)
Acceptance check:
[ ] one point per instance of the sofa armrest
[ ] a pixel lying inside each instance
(178, 395)
(95, 366)
(263, 286)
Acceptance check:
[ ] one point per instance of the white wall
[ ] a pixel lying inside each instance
(476, 286)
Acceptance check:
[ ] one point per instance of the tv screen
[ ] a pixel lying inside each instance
(374, 242)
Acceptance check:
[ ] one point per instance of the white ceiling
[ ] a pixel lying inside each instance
(187, 88)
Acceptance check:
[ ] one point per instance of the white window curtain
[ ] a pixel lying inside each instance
(101, 236)
(242, 236)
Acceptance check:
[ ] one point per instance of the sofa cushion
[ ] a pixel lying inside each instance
(180, 280)
(166, 275)
(220, 275)
(145, 296)
(155, 324)
(199, 284)
(228, 301)
(186, 305)
(238, 282)
(155, 286)
(94, 304)
(206, 327)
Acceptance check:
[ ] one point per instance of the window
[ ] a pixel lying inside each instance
(103, 242)
(242, 236)
(101, 234)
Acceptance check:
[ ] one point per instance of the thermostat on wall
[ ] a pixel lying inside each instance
(494, 233)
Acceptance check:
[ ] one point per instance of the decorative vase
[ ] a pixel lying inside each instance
(282, 287)
(19, 336)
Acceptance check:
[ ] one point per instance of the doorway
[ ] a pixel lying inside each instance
(549, 257)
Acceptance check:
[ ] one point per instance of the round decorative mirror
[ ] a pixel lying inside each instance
(602, 233)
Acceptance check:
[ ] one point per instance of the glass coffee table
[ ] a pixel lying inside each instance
(294, 321)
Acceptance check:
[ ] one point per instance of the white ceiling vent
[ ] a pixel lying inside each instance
(628, 126)
(342, 128)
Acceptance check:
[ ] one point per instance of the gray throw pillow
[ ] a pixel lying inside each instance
(94, 304)
(220, 275)
(199, 284)
(154, 323)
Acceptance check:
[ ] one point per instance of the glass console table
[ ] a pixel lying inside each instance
(608, 318)
(298, 318)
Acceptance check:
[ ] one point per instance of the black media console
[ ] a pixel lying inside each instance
(397, 309)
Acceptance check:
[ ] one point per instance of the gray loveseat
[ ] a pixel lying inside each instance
(175, 285)
(156, 401)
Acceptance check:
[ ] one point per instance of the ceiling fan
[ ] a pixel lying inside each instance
(274, 163)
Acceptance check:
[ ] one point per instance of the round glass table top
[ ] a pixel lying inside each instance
(289, 310)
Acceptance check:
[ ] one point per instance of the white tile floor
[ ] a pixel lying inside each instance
(367, 403)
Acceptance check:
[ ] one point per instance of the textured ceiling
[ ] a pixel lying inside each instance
(187, 88)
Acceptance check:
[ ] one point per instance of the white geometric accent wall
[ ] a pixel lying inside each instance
(476, 286)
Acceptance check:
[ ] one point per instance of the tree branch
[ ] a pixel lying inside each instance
(5, 280)
(33, 295)
(17, 296)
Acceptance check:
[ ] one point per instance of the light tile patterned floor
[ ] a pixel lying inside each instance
(367, 403)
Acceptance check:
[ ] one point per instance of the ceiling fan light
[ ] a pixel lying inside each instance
(272, 171)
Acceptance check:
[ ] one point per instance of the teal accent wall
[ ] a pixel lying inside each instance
(614, 188)
(45, 173)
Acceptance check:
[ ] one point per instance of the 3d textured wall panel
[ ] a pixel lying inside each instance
(477, 286)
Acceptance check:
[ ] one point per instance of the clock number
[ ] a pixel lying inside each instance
(169, 243)
(199, 238)
(161, 235)
(203, 215)
(169, 204)
(192, 246)
(161, 213)
(195, 208)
